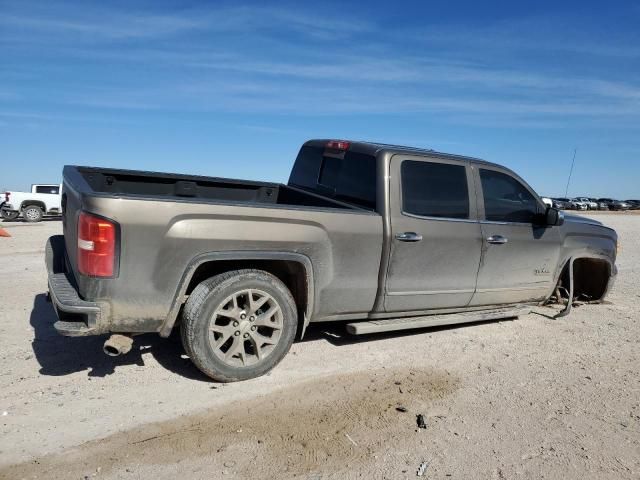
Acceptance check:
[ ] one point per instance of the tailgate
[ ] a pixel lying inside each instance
(71, 205)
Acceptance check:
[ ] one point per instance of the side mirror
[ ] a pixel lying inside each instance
(554, 217)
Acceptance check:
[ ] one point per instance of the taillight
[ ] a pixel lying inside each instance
(96, 246)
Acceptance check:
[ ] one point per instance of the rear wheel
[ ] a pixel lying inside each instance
(239, 325)
(32, 213)
(9, 214)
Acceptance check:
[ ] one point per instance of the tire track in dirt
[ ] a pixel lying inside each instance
(300, 430)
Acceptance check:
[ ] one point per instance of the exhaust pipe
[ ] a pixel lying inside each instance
(117, 344)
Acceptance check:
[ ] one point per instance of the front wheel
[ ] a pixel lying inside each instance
(239, 325)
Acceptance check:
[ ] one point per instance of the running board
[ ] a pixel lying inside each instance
(377, 326)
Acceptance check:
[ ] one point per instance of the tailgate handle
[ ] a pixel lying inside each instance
(409, 237)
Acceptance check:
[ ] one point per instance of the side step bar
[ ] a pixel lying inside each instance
(377, 326)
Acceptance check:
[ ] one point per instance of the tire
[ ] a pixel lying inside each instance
(32, 214)
(229, 339)
(9, 214)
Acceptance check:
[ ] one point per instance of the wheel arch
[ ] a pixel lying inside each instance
(589, 275)
(36, 203)
(294, 269)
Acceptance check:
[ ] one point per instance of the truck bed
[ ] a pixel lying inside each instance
(168, 224)
(188, 187)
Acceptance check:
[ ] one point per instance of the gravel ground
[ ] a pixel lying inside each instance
(527, 398)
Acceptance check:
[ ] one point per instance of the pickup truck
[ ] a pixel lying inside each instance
(43, 199)
(381, 237)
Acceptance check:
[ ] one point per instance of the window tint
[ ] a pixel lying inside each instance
(434, 189)
(47, 189)
(506, 199)
(347, 176)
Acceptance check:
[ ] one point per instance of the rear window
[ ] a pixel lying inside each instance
(347, 176)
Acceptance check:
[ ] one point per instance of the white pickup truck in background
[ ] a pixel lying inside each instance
(43, 199)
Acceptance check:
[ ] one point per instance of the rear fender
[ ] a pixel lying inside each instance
(179, 297)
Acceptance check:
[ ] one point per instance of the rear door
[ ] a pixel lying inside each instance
(519, 257)
(436, 241)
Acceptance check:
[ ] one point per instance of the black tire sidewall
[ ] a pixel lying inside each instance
(201, 349)
(9, 214)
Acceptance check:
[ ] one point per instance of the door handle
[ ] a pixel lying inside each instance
(497, 240)
(409, 237)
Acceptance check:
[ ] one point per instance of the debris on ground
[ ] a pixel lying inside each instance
(420, 421)
(351, 439)
(422, 468)
(402, 409)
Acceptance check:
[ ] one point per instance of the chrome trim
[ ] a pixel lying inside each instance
(497, 240)
(430, 292)
(440, 219)
(490, 222)
(408, 237)
(508, 289)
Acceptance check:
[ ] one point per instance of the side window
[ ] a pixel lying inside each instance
(434, 189)
(506, 199)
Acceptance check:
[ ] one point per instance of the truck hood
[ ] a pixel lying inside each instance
(578, 223)
(579, 219)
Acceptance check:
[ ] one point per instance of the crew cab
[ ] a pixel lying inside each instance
(43, 199)
(382, 237)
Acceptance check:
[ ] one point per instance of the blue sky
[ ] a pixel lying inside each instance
(232, 89)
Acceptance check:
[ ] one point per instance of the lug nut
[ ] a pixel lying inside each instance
(252, 319)
(235, 324)
(253, 328)
(237, 333)
(243, 316)
(246, 335)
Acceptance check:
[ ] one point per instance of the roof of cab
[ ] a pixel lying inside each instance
(373, 148)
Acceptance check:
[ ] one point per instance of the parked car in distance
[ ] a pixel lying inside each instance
(562, 203)
(614, 204)
(579, 204)
(634, 204)
(382, 237)
(43, 199)
(591, 204)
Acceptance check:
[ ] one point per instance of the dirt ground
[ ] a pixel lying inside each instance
(526, 398)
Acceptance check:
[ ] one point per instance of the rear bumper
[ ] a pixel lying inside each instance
(76, 317)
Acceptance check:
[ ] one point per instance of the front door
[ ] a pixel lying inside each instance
(436, 241)
(519, 256)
